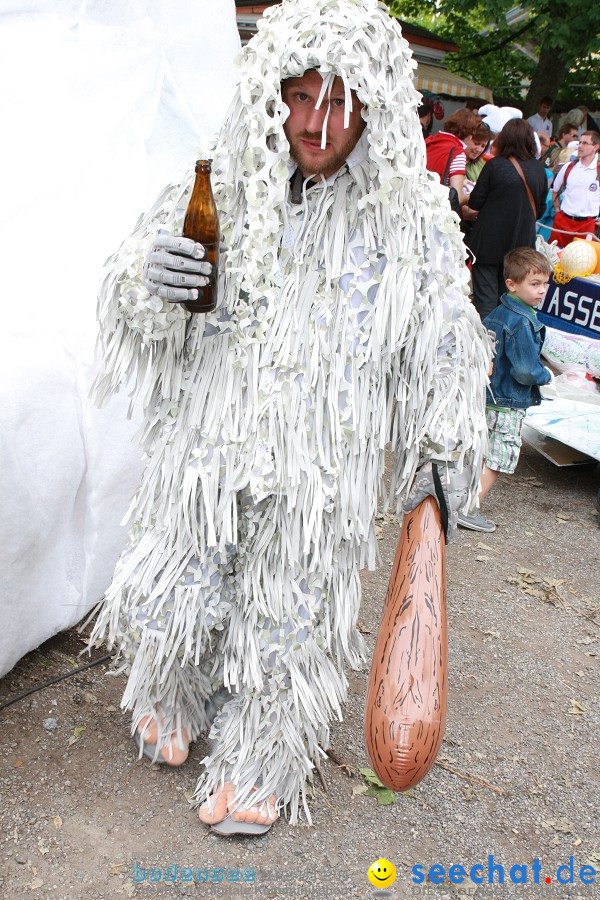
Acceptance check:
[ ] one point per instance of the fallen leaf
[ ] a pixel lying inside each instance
(492, 634)
(577, 842)
(57, 822)
(563, 517)
(34, 884)
(562, 825)
(114, 869)
(376, 789)
(482, 558)
(18, 763)
(370, 776)
(383, 796)
(577, 709)
(91, 698)
(71, 741)
(77, 732)
(359, 789)
(42, 848)
(481, 546)
(469, 792)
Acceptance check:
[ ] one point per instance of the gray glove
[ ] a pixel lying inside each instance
(173, 268)
(448, 487)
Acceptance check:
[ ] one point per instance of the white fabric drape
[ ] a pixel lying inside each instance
(103, 102)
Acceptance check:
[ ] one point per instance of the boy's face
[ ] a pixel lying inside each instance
(531, 290)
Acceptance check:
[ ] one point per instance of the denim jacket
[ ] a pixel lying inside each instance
(517, 368)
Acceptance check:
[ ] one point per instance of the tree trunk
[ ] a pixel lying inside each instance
(547, 77)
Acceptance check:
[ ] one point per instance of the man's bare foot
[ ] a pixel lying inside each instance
(263, 813)
(171, 753)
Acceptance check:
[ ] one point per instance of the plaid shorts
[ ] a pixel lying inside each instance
(504, 435)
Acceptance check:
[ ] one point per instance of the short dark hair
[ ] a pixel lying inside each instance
(524, 261)
(546, 99)
(565, 128)
(594, 135)
(462, 123)
(516, 139)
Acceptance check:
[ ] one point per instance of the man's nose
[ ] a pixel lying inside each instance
(315, 119)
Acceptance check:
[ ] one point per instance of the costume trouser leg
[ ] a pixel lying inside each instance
(171, 643)
(292, 626)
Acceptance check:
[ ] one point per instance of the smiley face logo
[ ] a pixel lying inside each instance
(382, 873)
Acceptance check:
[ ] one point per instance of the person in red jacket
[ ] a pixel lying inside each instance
(446, 150)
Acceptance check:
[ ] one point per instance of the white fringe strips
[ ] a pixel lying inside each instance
(343, 324)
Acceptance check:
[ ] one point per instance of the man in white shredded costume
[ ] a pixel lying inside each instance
(343, 325)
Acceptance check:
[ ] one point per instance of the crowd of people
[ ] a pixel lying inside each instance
(506, 174)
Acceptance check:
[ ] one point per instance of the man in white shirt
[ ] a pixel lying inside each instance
(540, 121)
(577, 211)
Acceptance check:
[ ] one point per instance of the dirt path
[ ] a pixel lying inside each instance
(517, 776)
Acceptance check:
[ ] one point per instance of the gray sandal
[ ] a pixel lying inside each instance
(230, 827)
(149, 750)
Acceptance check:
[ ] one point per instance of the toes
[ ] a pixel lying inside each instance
(148, 729)
(218, 810)
(259, 814)
(173, 753)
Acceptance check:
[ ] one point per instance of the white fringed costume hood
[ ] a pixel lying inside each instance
(343, 324)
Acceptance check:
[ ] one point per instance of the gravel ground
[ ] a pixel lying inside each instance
(516, 778)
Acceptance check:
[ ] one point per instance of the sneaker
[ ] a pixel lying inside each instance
(475, 522)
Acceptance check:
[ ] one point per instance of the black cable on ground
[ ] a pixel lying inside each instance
(39, 687)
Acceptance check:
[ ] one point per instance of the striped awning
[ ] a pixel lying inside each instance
(438, 80)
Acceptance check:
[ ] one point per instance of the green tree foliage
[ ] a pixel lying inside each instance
(563, 34)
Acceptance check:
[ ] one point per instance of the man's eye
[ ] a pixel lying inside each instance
(339, 101)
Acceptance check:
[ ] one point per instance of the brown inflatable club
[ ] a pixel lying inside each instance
(408, 682)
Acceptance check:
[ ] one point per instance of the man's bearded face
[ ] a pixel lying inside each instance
(304, 126)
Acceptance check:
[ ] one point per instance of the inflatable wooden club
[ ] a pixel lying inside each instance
(408, 682)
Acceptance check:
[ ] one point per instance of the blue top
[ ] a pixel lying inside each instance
(517, 371)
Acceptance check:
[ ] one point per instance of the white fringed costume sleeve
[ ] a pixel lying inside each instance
(343, 324)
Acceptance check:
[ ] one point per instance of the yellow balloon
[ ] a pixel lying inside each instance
(382, 873)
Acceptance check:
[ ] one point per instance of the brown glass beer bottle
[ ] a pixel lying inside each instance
(201, 224)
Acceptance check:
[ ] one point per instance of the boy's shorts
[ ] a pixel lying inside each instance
(504, 438)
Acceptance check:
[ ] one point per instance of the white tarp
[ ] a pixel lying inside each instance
(102, 104)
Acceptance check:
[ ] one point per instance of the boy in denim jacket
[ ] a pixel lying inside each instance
(517, 371)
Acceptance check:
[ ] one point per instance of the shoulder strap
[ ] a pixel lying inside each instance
(568, 169)
(527, 188)
(446, 175)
